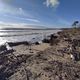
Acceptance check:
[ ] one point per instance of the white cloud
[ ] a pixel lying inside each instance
(52, 3)
(33, 20)
(11, 10)
(25, 19)
(21, 11)
(6, 8)
(15, 25)
(29, 19)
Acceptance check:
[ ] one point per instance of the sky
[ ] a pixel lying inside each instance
(48, 13)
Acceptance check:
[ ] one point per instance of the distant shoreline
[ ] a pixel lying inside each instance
(30, 28)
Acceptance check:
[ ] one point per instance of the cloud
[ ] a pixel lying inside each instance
(29, 19)
(24, 19)
(14, 12)
(21, 11)
(52, 3)
(33, 20)
(16, 25)
(8, 9)
(11, 10)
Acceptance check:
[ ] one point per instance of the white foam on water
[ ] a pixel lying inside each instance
(2, 42)
(31, 36)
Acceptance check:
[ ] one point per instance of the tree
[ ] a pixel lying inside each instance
(75, 27)
(75, 24)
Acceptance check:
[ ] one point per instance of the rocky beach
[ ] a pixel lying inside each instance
(55, 59)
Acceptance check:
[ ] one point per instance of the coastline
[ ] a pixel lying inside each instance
(41, 62)
(14, 37)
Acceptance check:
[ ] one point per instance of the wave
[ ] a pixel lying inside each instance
(18, 35)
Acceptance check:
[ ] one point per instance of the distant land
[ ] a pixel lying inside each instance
(30, 28)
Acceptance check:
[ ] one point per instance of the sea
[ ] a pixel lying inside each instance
(24, 35)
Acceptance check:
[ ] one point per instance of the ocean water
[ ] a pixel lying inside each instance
(24, 35)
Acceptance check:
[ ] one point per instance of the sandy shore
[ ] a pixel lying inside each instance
(25, 49)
